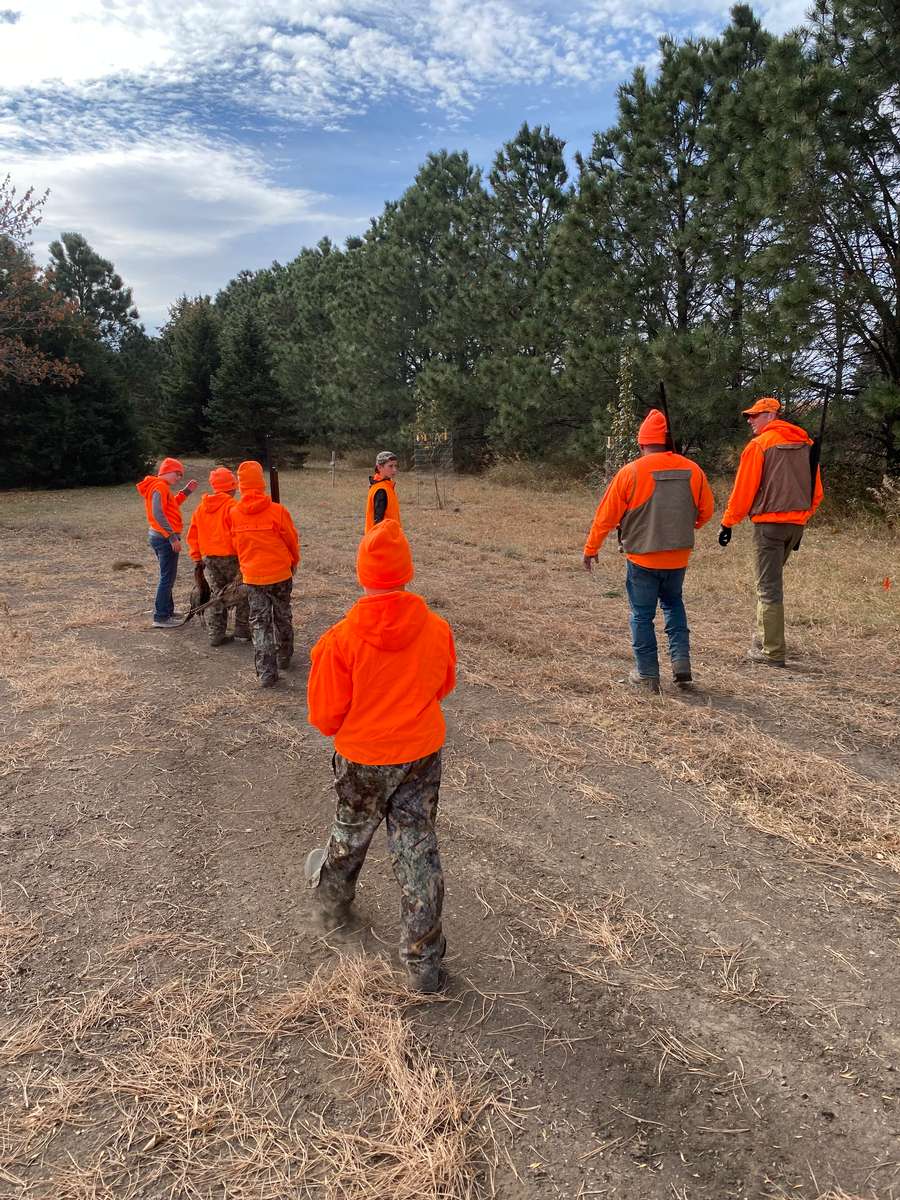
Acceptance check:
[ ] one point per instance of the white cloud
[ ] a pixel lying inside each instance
(173, 214)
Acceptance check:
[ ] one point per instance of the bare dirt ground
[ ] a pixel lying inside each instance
(672, 922)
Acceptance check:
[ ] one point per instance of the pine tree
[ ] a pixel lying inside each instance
(190, 346)
(247, 405)
(90, 281)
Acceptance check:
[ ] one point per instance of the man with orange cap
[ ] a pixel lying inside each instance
(382, 503)
(268, 551)
(376, 683)
(163, 510)
(657, 501)
(210, 541)
(775, 487)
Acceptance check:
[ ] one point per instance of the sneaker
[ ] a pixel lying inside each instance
(681, 672)
(179, 616)
(168, 623)
(649, 683)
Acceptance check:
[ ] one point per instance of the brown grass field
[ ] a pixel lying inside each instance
(672, 922)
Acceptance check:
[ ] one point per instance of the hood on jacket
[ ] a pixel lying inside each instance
(146, 484)
(216, 502)
(388, 622)
(789, 432)
(254, 502)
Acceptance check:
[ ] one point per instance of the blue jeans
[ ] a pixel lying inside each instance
(168, 567)
(646, 588)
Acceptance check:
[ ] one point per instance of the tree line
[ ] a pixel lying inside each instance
(734, 233)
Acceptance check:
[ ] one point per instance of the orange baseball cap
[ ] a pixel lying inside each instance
(763, 404)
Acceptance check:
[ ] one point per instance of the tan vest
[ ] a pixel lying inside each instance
(666, 520)
(786, 483)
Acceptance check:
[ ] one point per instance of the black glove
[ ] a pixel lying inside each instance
(724, 535)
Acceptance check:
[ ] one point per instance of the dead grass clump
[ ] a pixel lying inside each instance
(426, 1138)
(182, 1089)
(52, 672)
(608, 928)
(18, 936)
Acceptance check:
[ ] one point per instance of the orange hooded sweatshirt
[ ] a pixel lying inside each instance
(632, 489)
(378, 677)
(265, 539)
(171, 504)
(208, 533)
(774, 484)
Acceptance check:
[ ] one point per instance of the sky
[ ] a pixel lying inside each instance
(192, 139)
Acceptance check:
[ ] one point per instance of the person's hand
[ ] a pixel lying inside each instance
(190, 486)
(724, 535)
(588, 561)
(175, 543)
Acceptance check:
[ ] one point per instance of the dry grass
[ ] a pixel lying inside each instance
(18, 936)
(195, 1088)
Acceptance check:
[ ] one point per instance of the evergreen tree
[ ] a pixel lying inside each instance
(190, 346)
(247, 405)
(527, 328)
(90, 282)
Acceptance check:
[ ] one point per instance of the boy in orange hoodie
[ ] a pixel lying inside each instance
(210, 542)
(268, 551)
(163, 509)
(376, 683)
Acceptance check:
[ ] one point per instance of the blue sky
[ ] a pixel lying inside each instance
(191, 139)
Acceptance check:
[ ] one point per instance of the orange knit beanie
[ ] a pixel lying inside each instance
(653, 430)
(384, 559)
(250, 477)
(222, 480)
(170, 465)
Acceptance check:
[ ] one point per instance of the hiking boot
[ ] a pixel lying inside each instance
(681, 672)
(760, 657)
(427, 980)
(283, 662)
(268, 680)
(649, 683)
(242, 636)
(331, 912)
(221, 639)
(168, 623)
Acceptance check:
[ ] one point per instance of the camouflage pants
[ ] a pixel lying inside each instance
(271, 626)
(220, 571)
(405, 796)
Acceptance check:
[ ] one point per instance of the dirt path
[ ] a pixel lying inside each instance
(673, 923)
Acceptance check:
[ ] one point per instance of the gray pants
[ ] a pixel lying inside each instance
(773, 542)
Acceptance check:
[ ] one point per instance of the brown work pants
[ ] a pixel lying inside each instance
(773, 542)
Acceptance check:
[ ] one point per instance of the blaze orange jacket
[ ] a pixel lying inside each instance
(774, 484)
(207, 533)
(264, 538)
(378, 677)
(171, 503)
(632, 489)
(392, 511)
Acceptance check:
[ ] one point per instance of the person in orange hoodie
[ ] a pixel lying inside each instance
(657, 501)
(774, 487)
(163, 509)
(268, 551)
(211, 543)
(381, 502)
(376, 683)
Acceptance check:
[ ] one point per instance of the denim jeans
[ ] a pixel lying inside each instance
(168, 567)
(646, 588)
